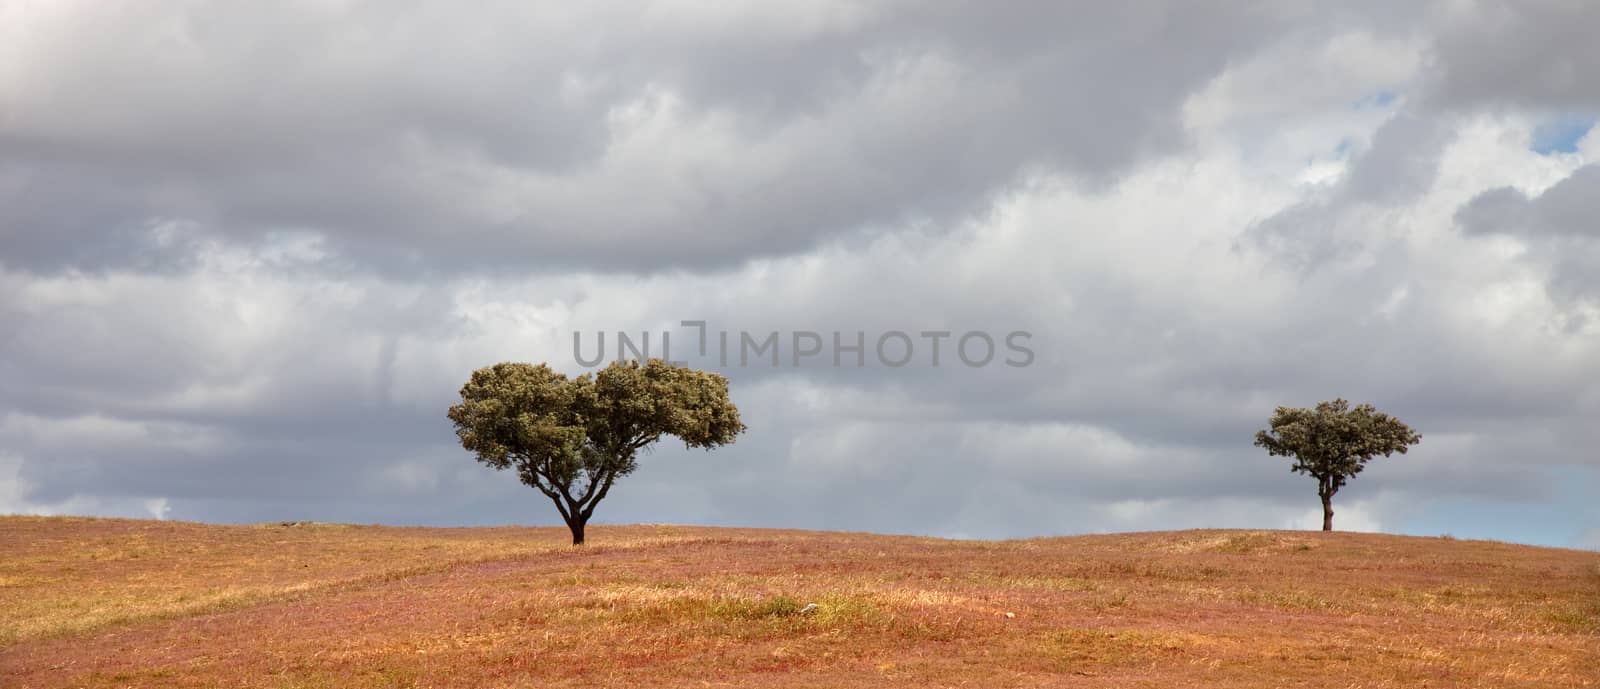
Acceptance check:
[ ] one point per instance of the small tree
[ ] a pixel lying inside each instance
(1333, 443)
(573, 438)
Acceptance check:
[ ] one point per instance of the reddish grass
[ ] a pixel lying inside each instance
(122, 603)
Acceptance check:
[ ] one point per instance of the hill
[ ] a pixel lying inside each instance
(129, 603)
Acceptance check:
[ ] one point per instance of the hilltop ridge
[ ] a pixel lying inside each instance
(110, 602)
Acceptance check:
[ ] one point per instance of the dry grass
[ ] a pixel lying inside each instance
(120, 603)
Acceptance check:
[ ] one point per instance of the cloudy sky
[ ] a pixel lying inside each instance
(250, 252)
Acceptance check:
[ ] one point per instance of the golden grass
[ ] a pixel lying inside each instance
(58, 580)
(125, 603)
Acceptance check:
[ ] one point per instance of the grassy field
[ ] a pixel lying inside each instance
(126, 603)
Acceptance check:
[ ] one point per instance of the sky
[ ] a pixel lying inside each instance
(249, 253)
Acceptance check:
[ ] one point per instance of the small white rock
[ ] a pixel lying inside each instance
(1010, 615)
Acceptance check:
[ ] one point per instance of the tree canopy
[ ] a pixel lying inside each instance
(1333, 442)
(572, 438)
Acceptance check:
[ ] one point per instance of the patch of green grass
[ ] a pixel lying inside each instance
(772, 613)
(1077, 648)
(1043, 583)
(1112, 601)
(728, 608)
(844, 610)
(1285, 600)
(1241, 544)
(927, 630)
(1582, 615)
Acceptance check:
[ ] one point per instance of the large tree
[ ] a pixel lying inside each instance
(1333, 442)
(572, 438)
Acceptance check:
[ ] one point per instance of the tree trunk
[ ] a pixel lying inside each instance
(576, 524)
(1327, 512)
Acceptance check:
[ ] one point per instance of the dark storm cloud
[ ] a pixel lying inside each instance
(1502, 53)
(598, 136)
(1402, 161)
(1569, 208)
(1558, 224)
(1399, 164)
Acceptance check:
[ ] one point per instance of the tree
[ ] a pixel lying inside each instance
(1333, 443)
(572, 438)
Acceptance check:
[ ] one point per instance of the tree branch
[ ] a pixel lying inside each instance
(611, 477)
(566, 515)
(539, 481)
(640, 442)
(594, 481)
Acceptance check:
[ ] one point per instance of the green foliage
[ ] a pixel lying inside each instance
(1333, 442)
(755, 609)
(571, 438)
